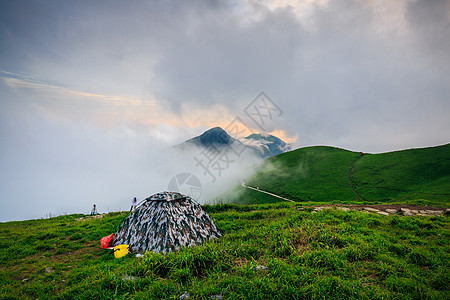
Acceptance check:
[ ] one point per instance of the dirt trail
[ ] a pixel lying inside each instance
(268, 193)
(350, 176)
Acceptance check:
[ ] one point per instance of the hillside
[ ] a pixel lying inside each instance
(410, 174)
(325, 174)
(276, 251)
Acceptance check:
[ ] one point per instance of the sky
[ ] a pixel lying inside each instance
(93, 94)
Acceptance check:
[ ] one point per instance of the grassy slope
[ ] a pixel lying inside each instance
(312, 173)
(63, 243)
(415, 173)
(330, 254)
(321, 174)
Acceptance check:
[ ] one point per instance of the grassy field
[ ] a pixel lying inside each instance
(330, 254)
(416, 173)
(322, 174)
(312, 173)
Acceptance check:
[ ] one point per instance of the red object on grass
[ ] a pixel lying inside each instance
(104, 242)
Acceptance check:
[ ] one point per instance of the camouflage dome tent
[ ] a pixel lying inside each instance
(165, 222)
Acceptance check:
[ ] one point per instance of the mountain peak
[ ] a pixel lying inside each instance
(214, 131)
(262, 144)
(215, 135)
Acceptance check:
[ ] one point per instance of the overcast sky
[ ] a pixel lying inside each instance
(92, 92)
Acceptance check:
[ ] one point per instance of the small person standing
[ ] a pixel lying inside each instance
(94, 210)
(133, 204)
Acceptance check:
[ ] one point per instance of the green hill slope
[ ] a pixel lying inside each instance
(416, 173)
(323, 173)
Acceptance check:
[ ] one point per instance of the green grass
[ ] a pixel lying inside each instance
(330, 254)
(307, 174)
(321, 174)
(416, 173)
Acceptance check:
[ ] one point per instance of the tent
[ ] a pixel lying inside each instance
(165, 222)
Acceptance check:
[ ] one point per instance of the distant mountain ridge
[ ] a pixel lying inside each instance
(268, 145)
(263, 145)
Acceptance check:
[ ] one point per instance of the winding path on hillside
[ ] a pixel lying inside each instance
(350, 176)
(265, 192)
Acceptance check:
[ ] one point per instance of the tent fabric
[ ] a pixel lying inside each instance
(165, 222)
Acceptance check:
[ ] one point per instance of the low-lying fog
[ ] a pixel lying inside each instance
(54, 169)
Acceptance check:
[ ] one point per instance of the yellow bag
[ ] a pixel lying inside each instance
(121, 250)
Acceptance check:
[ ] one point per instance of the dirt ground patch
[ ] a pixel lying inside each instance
(389, 206)
(390, 209)
(91, 217)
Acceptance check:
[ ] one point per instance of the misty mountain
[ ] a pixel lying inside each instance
(214, 137)
(267, 144)
(262, 145)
